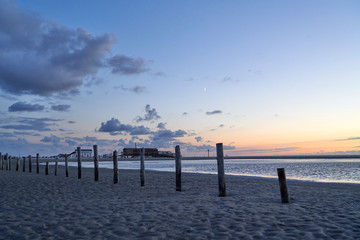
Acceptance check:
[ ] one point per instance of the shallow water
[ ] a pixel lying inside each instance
(320, 170)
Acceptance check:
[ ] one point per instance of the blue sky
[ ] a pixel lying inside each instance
(263, 77)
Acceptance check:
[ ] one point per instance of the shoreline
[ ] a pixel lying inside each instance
(39, 206)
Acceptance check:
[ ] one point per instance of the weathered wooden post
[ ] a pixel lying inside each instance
(17, 163)
(47, 168)
(37, 164)
(79, 161)
(56, 166)
(116, 168)
(142, 167)
(7, 161)
(24, 158)
(96, 163)
(283, 185)
(66, 166)
(2, 163)
(30, 166)
(220, 165)
(178, 168)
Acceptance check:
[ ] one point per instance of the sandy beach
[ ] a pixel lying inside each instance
(39, 206)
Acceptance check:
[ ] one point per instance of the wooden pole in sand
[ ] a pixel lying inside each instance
(1, 159)
(79, 161)
(30, 166)
(116, 168)
(24, 164)
(7, 161)
(96, 163)
(37, 164)
(47, 168)
(17, 163)
(66, 166)
(142, 167)
(220, 165)
(283, 185)
(56, 166)
(178, 168)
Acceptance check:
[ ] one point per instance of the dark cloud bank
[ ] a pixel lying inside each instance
(41, 57)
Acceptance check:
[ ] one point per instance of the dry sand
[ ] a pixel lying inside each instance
(36, 206)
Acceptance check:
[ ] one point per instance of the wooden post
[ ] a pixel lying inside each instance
(2, 163)
(37, 164)
(24, 164)
(56, 166)
(116, 169)
(30, 166)
(66, 166)
(220, 165)
(142, 167)
(17, 163)
(178, 168)
(47, 168)
(96, 163)
(283, 185)
(7, 161)
(79, 161)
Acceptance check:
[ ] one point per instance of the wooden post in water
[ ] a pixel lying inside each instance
(178, 168)
(24, 164)
(17, 163)
(220, 165)
(66, 166)
(116, 168)
(30, 166)
(47, 168)
(7, 161)
(142, 167)
(79, 161)
(96, 163)
(1, 163)
(37, 164)
(56, 166)
(283, 185)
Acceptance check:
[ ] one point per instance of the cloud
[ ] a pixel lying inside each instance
(25, 107)
(151, 115)
(161, 125)
(184, 113)
(114, 126)
(136, 89)
(36, 124)
(51, 139)
(122, 64)
(53, 59)
(221, 125)
(348, 139)
(214, 112)
(60, 108)
(198, 139)
(168, 135)
(71, 122)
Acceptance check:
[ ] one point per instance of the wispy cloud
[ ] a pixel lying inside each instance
(60, 108)
(214, 112)
(122, 64)
(26, 107)
(150, 115)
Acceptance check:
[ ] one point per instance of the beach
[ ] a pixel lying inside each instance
(39, 206)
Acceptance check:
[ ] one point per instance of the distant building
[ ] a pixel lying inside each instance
(84, 153)
(165, 154)
(135, 152)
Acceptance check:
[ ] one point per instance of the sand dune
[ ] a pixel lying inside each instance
(36, 206)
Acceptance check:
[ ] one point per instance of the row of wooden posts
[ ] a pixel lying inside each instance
(220, 166)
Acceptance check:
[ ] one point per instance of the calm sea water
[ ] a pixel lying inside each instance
(320, 170)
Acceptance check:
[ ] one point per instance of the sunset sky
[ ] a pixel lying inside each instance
(262, 77)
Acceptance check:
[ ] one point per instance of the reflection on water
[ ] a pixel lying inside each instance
(322, 170)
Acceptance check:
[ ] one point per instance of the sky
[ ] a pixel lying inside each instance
(261, 77)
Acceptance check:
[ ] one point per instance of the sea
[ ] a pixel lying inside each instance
(317, 170)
